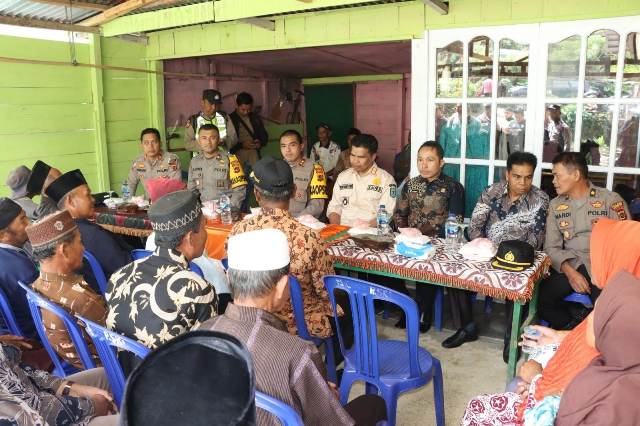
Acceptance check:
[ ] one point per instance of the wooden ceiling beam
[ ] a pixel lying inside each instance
(437, 5)
(75, 3)
(50, 25)
(116, 11)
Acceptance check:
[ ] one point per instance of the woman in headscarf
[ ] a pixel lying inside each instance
(614, 248)
(606, 391)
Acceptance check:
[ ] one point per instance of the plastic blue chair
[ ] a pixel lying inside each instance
(96, 268)
(62, 368)
(298, 312)
(225, 263)
(388, 367)
(9, 318)
(138, 254)
(105, 341)
(287, 415)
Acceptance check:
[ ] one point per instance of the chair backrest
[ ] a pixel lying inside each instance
(138, 254)
(96, 268)
(287, 415)
(298, 307)
(361, 297)
(9, 318)
(37, 302)
(225, 263)
(583, 299)
(105, 342)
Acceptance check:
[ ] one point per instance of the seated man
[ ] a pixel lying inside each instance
(286, 367)
(153, 162)
(425, 203)
(34, 397)
(214, 171)
(360, 190)
(309, 178)
(71, 192)
(15, 263)
(157, 298)
(572, 214)
(58, 248)
(512, 210)
(40, 178)
(210, 113)
(344, 162)
(17, 181)
(274, 188)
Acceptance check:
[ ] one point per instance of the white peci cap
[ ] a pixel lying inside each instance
(261, 250)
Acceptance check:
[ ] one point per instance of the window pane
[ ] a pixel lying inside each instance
(448, 128)
(596, 133)
(546, 184)
(480, 67)
(513, 69)
(452, 170)
(559, 128)
(598, 179)
(631, 79)
(478, 130)
(562, 68)
(475, 181)
(510, 130)
(628, 186)
(628, 136)
(602, 57)
(449, 70)
(499, 174)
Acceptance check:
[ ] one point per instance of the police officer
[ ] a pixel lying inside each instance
(214, 171)
(360, 190)
(153, 162)
(210, 114)
(571, 217)
(309, 178)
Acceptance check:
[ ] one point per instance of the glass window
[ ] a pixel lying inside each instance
(475, 181)
(478, 130)
(480, 67)
(513, 69)
(449, 71)
(452, 170)
(598, 179)
(628, 136)
(596, 133)
(631, 77)
(449, 128)
(602, 59)
(499, 174)
(562, 68)
(559, 128)
(546, 184)
(510, 129)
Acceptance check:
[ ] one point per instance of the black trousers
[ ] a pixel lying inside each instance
(461, 308)
(551, 306)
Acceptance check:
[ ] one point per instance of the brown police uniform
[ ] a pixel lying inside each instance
(167, 165)
(311, 188)
(217, 175)
(567, 239)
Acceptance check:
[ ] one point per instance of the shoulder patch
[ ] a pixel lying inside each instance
(562, 207)
(618, 207)
(318, 184)
(393, 190)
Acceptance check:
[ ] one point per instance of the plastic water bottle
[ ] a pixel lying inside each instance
(382, 219)
(224, 204)
(126, 194)
(451, 233)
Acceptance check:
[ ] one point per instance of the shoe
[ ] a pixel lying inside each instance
(461, 336)
(425, 326)
(402, 323)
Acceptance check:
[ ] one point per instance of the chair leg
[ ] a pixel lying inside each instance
(331, 361)
(391, 401)
(345, 387)
(370, 389)
(438, 392)
(438, 308)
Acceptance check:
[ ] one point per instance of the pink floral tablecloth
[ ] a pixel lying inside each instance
(447, 269)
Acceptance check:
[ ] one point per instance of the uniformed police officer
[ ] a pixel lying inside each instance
(309, 177)
(210, 114)
(360, 190)
(153, 162)
(214, 171)
(572, 214)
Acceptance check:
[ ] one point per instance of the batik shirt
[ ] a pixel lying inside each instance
(72, 293)
(27, 396)
(424, 202)
(309, 263)
(155, 299)
(499, 219)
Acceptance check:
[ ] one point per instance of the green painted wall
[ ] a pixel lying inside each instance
(46, 111)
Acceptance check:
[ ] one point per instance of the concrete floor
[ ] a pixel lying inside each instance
(468, 370)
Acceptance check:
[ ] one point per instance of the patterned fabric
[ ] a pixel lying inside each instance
(157, 298)
(72, 293)
(27, 396)
(105, 216)
(445, 268)
(423, 202)
(499, 219)
(309, 263)
(543, 413)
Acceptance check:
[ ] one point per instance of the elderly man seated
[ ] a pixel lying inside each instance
(57, 246)
(157, 298)
(71, 192)
(286, 367)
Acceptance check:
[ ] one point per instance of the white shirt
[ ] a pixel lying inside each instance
(327, 157)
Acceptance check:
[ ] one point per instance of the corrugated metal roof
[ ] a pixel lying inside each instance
(50, 12)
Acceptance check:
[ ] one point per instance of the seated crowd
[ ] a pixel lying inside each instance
(579, 369)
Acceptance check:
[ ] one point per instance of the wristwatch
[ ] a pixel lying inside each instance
(67, 388)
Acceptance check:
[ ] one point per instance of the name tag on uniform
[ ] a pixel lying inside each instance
(375, 188)
(346, 186)
(220, 184)
(345, 201)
